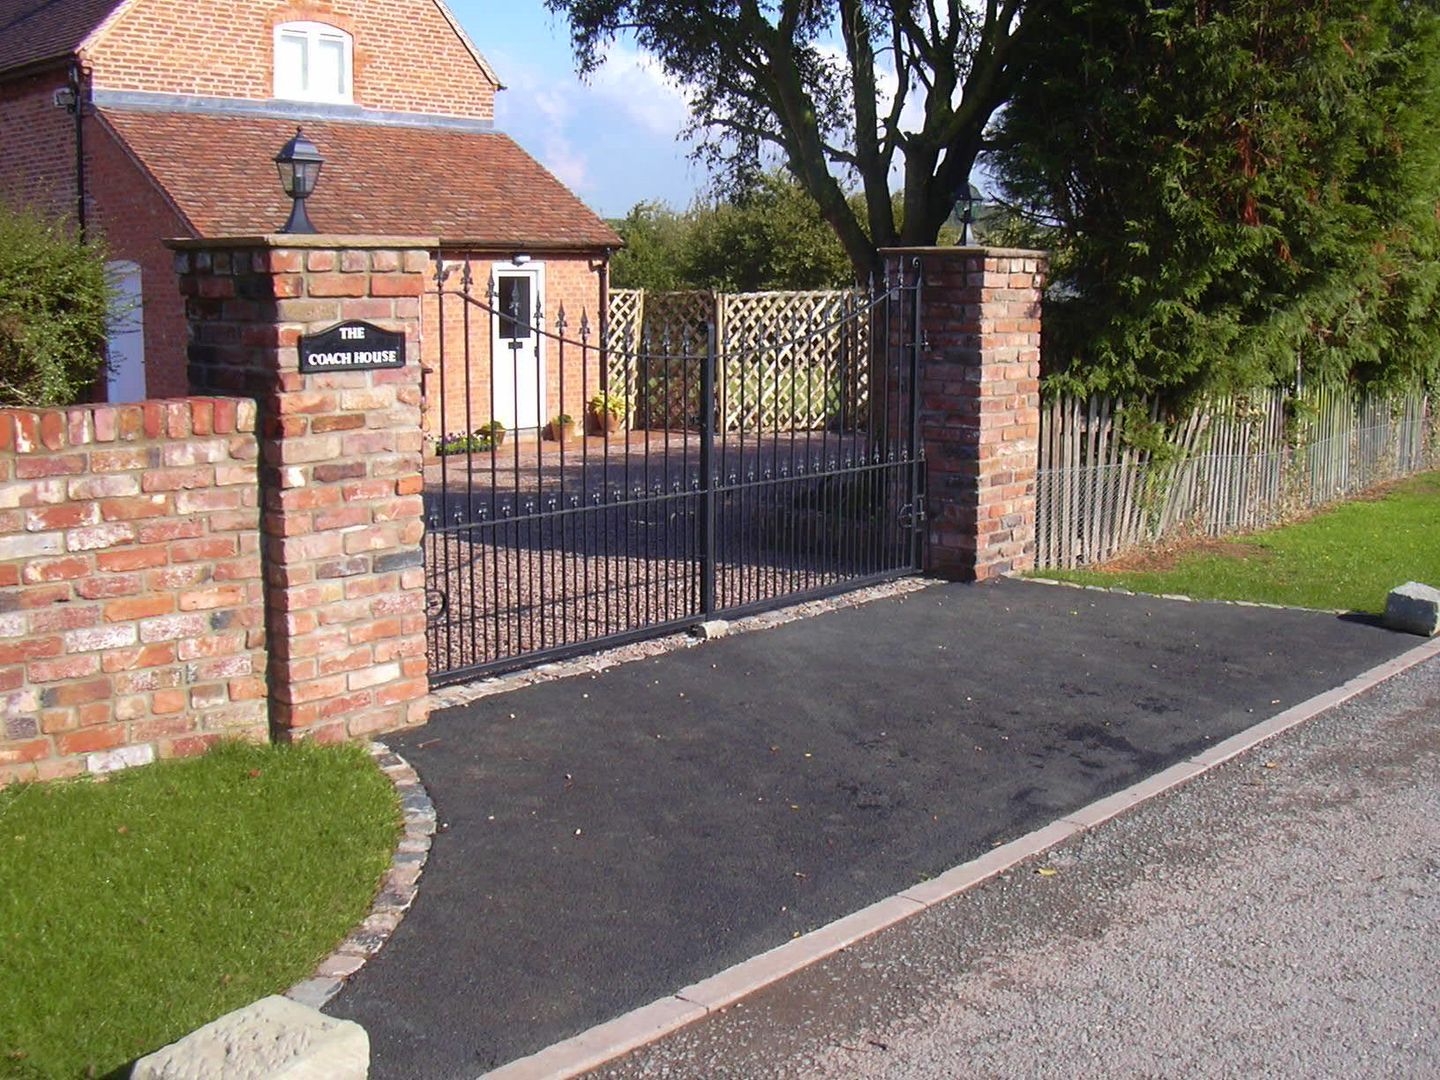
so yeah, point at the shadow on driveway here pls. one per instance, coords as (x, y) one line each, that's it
(610, 839)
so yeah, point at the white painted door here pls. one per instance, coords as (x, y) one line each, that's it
(517, 348)
(125, 378)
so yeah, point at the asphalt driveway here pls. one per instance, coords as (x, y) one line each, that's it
(609, 839)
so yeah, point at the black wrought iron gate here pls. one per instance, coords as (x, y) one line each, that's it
(690, 482)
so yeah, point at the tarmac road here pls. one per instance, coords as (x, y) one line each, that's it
(1274, 917)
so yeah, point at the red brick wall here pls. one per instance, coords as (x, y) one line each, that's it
(37, 162)
(571, 282)
(130, 584)
(407, 58)
(979, 405)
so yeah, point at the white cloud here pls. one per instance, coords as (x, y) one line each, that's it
(538, 108)
(568, 162)
(635, 83)
(612, 140)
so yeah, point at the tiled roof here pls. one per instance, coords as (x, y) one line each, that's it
(465, 187)
(32, 30)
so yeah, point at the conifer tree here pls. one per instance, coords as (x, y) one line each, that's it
(1236, 191)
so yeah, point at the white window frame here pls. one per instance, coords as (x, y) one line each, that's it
(313, 32)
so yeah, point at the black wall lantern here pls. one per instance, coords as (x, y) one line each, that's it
(965, 202)
(299, 164)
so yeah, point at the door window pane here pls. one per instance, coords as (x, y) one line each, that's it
(515, 309)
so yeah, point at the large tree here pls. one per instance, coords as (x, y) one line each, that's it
(1236, 191)
(826, 86)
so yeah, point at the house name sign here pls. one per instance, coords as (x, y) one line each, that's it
(352, 346)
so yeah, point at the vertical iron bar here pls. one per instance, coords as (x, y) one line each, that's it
(466, 282)
(707, 484)
(537, 527)
(685, 504)
(917, 524)
(492, 298)
(584, 516)
(642, 392)
(438, 574)
(559, 549)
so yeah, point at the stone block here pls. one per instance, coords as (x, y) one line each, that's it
(712, 628)
(275, 1038)
(1414, 608)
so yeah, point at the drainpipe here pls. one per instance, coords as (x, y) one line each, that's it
(604, 319)
(77, 109)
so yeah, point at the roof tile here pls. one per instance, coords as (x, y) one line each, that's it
(467, 187)
(32, 30)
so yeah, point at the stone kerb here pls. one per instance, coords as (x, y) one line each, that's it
(979, 403)
(341, 480)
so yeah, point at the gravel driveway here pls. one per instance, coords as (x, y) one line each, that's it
(1275, 917)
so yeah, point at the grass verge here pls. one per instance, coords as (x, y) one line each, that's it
(135, 910)
(1348, 557)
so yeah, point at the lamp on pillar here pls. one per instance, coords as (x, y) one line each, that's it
(965, 201)
(299, 163)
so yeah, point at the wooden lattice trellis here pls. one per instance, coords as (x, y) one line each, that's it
(787, 360)
(794, 360)
(622, 338)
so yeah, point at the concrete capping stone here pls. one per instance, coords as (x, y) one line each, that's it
(615, 1038)
(397, 888)
(271, 1039)
(972, 250)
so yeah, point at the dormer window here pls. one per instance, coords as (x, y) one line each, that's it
(313, 62)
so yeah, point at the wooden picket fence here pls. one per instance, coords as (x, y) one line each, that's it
(1233, 464)
(787, 360)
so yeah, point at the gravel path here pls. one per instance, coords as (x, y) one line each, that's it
(1276, 917)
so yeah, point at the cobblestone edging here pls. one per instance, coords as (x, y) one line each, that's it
(1175, 596)
(465, 693)
(397, 888)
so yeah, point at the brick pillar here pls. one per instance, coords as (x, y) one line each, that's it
(340, 476)
(979, 403)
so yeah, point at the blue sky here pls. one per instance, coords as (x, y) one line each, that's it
(615, 139)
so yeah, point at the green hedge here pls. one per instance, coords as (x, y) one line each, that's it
(54, 304)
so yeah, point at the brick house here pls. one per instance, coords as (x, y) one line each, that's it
(147, 119)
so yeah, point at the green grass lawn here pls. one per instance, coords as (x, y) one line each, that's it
(135, 910)
(1346, 558)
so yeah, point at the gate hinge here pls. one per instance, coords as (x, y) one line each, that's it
(913, 513)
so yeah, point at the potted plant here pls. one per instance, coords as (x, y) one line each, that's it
(608, 411)
(495, 431)
(562, 427)
(485, 437)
